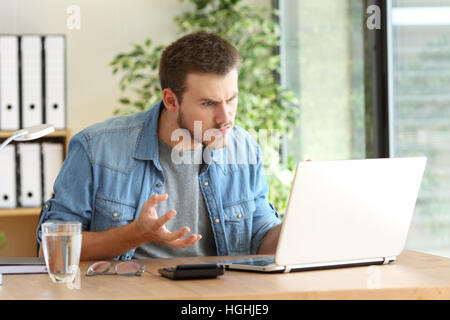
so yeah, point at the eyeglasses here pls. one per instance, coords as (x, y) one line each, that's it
(126, 268)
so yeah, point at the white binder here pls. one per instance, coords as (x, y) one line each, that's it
(52, 157)
(31, 68)
(55, 87)
(9, 83)
(8, 196)
(30, 174)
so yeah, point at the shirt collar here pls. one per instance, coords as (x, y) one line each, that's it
(147, 142)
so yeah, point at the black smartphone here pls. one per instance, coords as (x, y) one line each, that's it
(193, 271)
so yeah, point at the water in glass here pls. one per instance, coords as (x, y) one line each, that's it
(62, 248)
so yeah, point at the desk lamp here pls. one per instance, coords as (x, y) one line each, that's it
(30, 133)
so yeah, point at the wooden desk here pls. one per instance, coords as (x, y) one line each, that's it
(413, 276)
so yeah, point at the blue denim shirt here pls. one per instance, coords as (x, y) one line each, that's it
(112, 168)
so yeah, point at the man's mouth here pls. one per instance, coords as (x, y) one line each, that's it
(226, 129)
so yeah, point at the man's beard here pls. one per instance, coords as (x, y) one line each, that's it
(214, 140)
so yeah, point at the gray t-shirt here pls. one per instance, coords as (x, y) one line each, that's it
(184, 195)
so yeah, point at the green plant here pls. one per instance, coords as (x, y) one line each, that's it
(263, 103)
(2, 240)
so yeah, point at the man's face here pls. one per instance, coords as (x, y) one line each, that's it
(212, 100)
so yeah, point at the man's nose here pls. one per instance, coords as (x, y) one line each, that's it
(223, 113)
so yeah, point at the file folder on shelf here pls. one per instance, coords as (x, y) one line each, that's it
(52, 157)
(31, 69)
(8, 194)
(55, 87)
(9, 83)
(30, 174)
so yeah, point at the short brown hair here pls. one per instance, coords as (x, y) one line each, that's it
(202, 52)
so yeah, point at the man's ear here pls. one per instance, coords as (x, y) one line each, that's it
(170, 100)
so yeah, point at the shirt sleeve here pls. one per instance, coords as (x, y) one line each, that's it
(73, 189)
(265, 216)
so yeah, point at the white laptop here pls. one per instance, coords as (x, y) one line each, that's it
(344, 213)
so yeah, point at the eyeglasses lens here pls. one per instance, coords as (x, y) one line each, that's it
(99, 267)
(127, 267)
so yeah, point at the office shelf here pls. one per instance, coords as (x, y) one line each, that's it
(19, 224)
(55, 134)
(17, 212)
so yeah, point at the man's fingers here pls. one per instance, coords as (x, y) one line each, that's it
(165, 218)
(186, 242)
(177, 234)
(154, 200)
(173, 239)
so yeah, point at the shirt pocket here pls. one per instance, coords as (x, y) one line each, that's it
(109, 214)
(238, 218)
(229, 168)
(238, 211)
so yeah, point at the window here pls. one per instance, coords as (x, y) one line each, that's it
(323, 64)
(329, 61)
(419, 79)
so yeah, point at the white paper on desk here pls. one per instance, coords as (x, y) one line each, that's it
(8, 194)
(9, 83)
(30, 174)
(52, 157)
(55, 86)
(31, 68)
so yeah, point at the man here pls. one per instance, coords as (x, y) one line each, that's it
(127, 178)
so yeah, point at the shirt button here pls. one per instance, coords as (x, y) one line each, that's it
(205, 183)
(239, 216)
(216, 220)
(115, 214)
(157, 185)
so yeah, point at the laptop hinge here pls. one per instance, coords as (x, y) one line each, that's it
(388, 259)
(287, 269)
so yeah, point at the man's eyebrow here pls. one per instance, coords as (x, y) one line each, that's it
(207, 99)
(213, 100)
(234, 95)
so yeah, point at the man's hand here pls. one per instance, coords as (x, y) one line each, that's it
(153, 229)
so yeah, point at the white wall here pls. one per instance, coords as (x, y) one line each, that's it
(107, 28)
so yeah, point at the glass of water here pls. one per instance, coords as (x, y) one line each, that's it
(61, 242)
